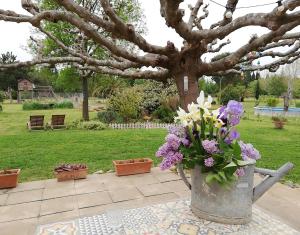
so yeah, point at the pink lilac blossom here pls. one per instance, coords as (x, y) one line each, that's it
(163, 150)
(248, 151)
(234, 111)
(210, 146)
(240, 172)
(209, 162)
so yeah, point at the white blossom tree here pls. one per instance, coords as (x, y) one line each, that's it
(184, 64)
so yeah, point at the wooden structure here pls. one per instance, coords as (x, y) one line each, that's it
(57, 122)
(24, 85)
(36, 122)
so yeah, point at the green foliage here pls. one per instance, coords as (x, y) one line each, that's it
(209, 87)
(68, 80)
(276, 85)
(1, 108)
(272, 101)
(10, 77)
(109, 116)
(231, 93)
(257, 90)
(45, 106)
(92, 125)
(297, 104)
(2, 96)
(165, 114)
(126, 103)
(63, 105)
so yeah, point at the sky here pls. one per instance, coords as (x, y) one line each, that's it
(14, 36)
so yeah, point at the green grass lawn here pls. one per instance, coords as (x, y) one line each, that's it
(37, 153)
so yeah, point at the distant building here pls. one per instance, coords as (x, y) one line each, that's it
(25, 85)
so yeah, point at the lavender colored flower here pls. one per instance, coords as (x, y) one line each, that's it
(234, 111)
(177, 130)
(209, 162)
(163, 150)
(186, 142)
(240, 172)
(170, 160)
(173, 141)
(248, 151)
(210, 146)
(233, 135)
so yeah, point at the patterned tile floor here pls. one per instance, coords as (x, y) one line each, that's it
(170, 218)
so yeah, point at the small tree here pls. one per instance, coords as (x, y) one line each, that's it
(257, 90)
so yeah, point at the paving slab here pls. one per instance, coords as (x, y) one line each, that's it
(125, 194)
(53, 183)
(3, 199)
(20, 227)
(25, 196)
(28, 186)
(141, 179)
(19, 211)
(93, 199)
(51, 218)
(89, 186)
(59, 191)
(57, 205)
(153, 189)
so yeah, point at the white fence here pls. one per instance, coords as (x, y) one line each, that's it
(145, 125)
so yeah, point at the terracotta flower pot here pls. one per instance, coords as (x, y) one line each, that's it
(279, 124)
(71, 175)
(9, 178)
(132, 166)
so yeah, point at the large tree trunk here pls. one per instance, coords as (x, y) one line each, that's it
(192, 93)
(85, 102)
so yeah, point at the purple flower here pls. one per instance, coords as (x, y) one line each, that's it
(210, 146)
(234, 111)
(177, 130)
(186, 142)
(233, 135)
(163, 150)
(240, 172)
(209, 162)
(173, 141)
(171, 159)
(248, 151)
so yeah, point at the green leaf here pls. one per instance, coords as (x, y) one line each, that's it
(231, 164)
(210, 177)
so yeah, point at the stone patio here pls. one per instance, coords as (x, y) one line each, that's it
(43, 202)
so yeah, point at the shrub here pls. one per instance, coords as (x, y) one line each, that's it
(2, 96)
(64, 105)
(35, 106)
(272, 101)
(41, 106)
(165, 114)
(92, 125)
(230, 93)
(109, 117)
(1, 109)
(126, 103)
(297, 104)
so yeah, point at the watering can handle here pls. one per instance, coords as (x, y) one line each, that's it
(272, 177)
(183, 176)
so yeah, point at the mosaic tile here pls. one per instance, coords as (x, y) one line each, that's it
(166, 219)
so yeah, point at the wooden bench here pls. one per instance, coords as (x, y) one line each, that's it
(57, 122)
(36, 122)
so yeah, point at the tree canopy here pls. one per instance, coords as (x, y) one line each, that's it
(110, 30)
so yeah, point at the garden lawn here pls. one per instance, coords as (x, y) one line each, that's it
(38, 152)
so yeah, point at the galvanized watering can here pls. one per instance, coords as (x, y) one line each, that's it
(230, 206)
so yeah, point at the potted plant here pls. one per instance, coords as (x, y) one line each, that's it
(70, 171)
(221, 165)
(132, 166)
(9, 178)
(279, 122)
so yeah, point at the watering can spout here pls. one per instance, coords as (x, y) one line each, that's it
(272, 177)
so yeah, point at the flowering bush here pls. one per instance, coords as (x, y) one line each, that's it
(209, 139)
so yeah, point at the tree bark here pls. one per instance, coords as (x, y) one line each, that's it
(85, 102)
(191, 95)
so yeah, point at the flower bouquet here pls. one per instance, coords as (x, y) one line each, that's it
(210, 140)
